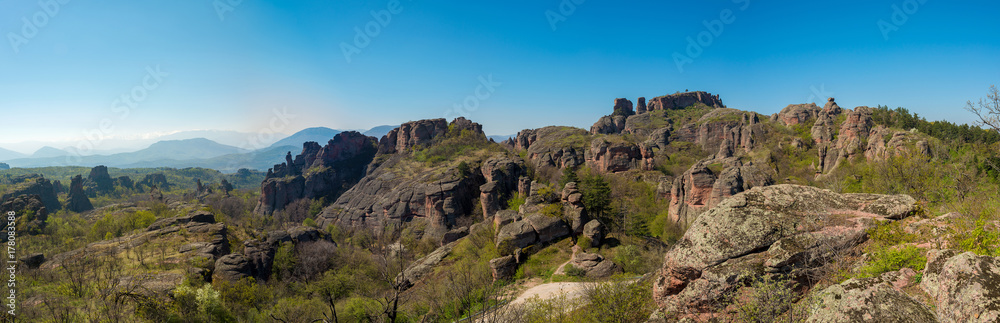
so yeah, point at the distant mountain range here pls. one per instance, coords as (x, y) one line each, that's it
(188, 152)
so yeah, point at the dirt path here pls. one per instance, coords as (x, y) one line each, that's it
(571, 290)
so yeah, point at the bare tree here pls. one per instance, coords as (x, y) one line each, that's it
(988, 110)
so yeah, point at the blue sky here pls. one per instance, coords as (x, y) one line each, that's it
(549, 62)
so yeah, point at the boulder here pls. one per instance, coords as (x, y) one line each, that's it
(594, 265)
(611, 157)
(867, 300)
(28, 209)
(199, 216)
(423, 266)
(232, 267)
(964, 287)
(613, 124)
(503, 268)
(594, 231)
(514, 236)
(504, 217)
(548, 228)
(454, 234)
(785, 229)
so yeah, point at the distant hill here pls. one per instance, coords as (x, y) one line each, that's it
(379, 131)
(158, 154)
(49, 151)
(225, 137)
(10, 154)
(318, 134)
(256, 160)
(499, 138)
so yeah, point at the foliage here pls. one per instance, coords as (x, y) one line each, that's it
(515, 201)
(596, 195)
(203, 303)
(767, 299)
(979, 240)
(284, 260)
(568, 175)
(117, 224)
(631, 259)
(619, 301)
(902, 118)
(885, 259)
(553, 210)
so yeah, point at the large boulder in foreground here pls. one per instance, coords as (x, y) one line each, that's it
(781, 229)
(965, 287)
(867, 300)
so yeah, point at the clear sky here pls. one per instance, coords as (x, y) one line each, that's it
(230, 64)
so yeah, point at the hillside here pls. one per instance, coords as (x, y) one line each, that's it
(678, 207)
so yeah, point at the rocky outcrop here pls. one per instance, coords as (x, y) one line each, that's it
(502, 174)
(615, 156)
(77, 201)
(317, 172)
(503, 268)
(514, 236)
(964, 287)
(257, 258)
(710, 181)
(422, 132)
(594, 231)
(795, 114)
(34, 185)
(867, 300)
(613, 124)
(640, 105)
(552, 148)
(28, 209)
(623, 107)
(99, 181)
(573, 210)
(780, 229)
(158, 179)
(683, 100)
(548, 228)
(594, 265)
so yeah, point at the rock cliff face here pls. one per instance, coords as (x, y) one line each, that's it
(795, 114)
(682, 100)
(551, 148)
(78, 200)
(325, 171)
(786, 229)
(34, 185)
(710, 181)
(401, 189)
(257, 258)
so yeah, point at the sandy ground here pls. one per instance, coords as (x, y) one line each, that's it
(572, 290)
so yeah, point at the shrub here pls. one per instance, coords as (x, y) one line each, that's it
(619, 301)
(515, 202)
(574, 271)
(886, 259)
(552, 210)
(630, 258)
(979, 240)
(584, 243)
(767, 299)
(284, 260)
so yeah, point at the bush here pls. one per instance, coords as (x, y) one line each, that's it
(574, 271)
(584, 243)
(630, 258)
(979, 240)
(552, 210)
(767, 299)
(515, 202)
(619, 301)
(883, 260)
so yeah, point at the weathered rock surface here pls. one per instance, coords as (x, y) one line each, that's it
(157, 179)
(784, 229)
(594, 231)
(867, 300)
(612, 157)
(517, 235)
(78, 200)
(710, 181)
(795, 114)
(683, 100)
(325, 171)
(257, 258)
(503, 268)
(965, 287)
(552, 147)
(99, 181)
(640, 105)
(501, 174)
(548, 228)
(594, 265)
(423, 266)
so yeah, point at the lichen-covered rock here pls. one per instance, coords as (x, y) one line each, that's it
(594, 231)
(548, 228)
(867, 300)
(776, 229)
(965, 287)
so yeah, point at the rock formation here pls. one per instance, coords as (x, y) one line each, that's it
(623, 107)
(795, 114)
(77, 201)
(257, 258)
(594, 265)
(710, 181)
(99, 181)
(317, 172)
(640, 107)
(775, 229)
(34, 185)
(29, 209)
(157, 179)
(683, 100)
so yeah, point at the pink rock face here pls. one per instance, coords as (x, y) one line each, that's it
(854, 131)
(683, 100)
(795, 114)
(614, 157)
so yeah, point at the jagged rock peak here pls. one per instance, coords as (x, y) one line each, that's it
(78, 200)
(623, 107)
(683, 100)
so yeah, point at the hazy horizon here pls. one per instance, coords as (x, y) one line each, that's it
(92, 72)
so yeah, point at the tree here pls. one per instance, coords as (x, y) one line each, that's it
(596, 195)
(988, 110)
